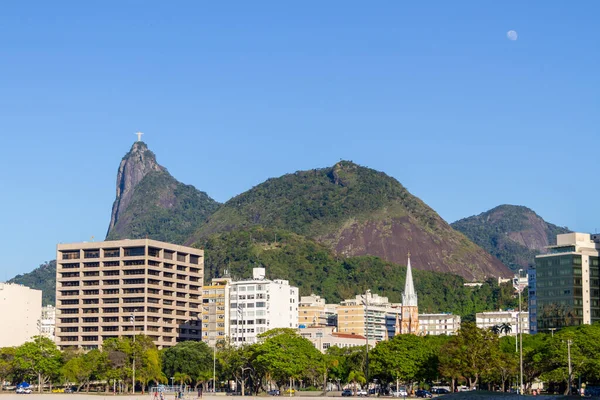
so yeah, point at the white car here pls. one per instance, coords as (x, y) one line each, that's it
(22, 390)
(361, 392)
(400, 393)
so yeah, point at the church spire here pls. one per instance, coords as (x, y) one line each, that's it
(409, 297)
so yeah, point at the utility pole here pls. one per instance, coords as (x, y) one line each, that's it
(520, 343)
(569, 342)
(215, 368)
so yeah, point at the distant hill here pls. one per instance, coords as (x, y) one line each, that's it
(151, 203)
(513, 234)
(356, 211)
(42, 278)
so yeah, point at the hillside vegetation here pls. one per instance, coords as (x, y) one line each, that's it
(42, 278)
(513, 234)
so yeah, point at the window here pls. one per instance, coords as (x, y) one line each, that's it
(135, 251)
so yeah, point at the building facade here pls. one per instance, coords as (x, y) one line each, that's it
(314, 311)
(21, 310)
(324, 337)
(47, 322)
(364, 315)
(532, 300)
(258, 305)
(568, 282)
(215, 311)
(125, 287)
(517, 321)
(439, 324)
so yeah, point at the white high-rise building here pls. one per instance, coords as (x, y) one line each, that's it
(21, 309)
(258, 305)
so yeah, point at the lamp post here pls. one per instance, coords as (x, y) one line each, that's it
(366, 303)
(172, 379)
(569, 342)
(214, 368)
(133, 364)
(519, 289)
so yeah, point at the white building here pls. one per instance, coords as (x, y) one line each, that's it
(21, 308)
(487, 320)
(47, 323)
(439, 324)
(260, 304)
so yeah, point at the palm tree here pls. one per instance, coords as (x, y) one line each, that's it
(182, 378)
(202, 378)
(495, 329)
(356, 376)
(506, 328)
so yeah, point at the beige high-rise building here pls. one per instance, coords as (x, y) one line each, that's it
(21, 310)
(314, 311)
(103, 287)
(215, 311)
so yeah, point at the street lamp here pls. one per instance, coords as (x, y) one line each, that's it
(519, 289)
(366, 303)
(172, 378)
(243, 369)
(133, 364)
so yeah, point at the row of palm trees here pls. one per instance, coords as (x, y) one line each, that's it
(504, 328)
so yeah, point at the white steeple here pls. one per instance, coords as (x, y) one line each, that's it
(409, 297)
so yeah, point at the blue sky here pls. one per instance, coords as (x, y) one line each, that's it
(232, 93)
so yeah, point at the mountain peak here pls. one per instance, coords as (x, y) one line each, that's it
(147, 196)
(134, 166)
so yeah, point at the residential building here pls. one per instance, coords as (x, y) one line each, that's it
(314, 311)
(439, 324)
(125, 287)
(567, 282)
(531, 276)
(258, 305)
(324, 337)
(515, 320)
(21, 309)
(47, 323)
(215, 311)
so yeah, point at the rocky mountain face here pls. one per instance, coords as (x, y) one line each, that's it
(356, 211)
(513, 234)
(151, 203)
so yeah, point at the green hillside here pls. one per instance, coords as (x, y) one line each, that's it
(315, 269)
(162, 208)
(355, 211)
(42, 278)
(513, 234)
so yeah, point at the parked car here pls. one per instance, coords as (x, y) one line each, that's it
(22, 390)
(347, 393)
(361, 392)
(288, 390)
(423, 393)
(273, 392)
(400, 393)
(70, 390)
(441, 391)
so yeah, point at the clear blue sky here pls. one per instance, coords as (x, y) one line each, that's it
(232, 93)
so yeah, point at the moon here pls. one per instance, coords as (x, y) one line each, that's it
(512, 35)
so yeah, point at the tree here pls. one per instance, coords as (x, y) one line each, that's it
(79, 369)
(356, 376)
(192, 359)
(40, 358)
(285, 355)
(7, 357)
(470, 353)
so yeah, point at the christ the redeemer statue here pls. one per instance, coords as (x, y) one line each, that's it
(139, 135)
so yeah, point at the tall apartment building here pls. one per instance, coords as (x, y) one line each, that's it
(439, 324)
(215, 311)
(518, 322)
(259, 304)
(568, 282)
(314, 311)
(126, 287)
(21, 310)
(532, 299)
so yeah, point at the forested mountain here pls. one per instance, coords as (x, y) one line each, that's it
(151, 203)
(356, 211)
(513, 234)
(42, 278)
